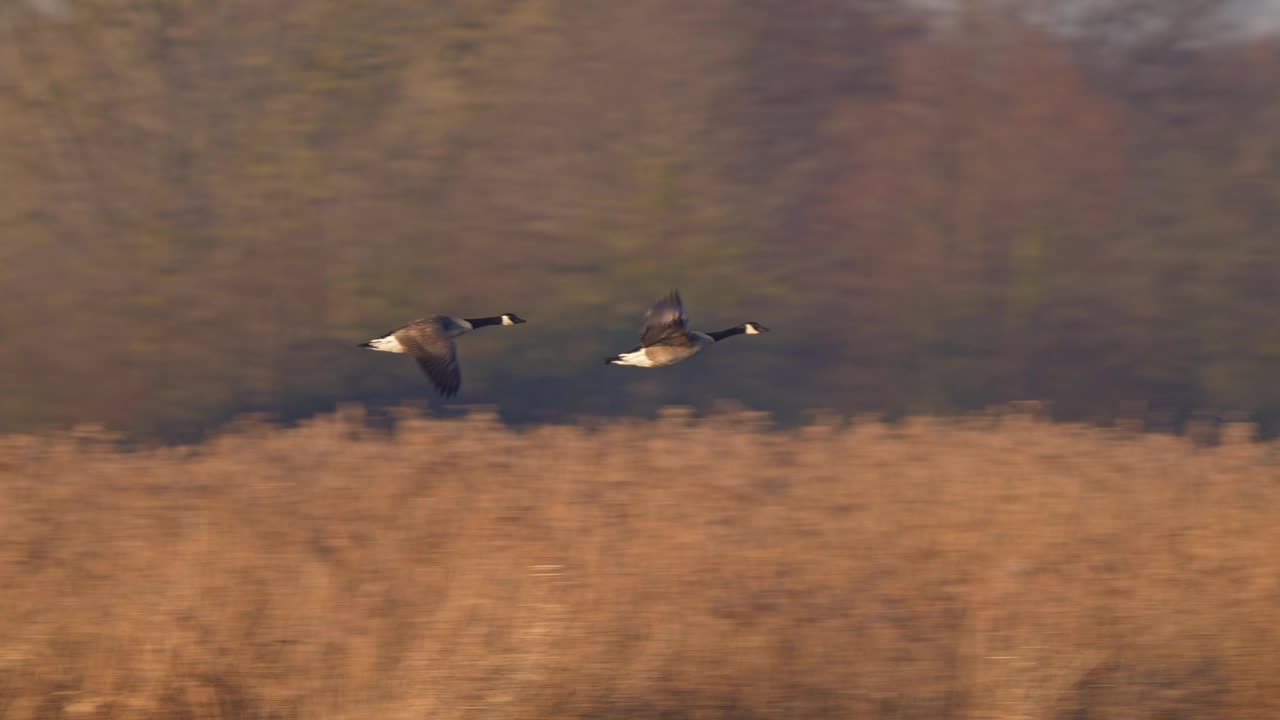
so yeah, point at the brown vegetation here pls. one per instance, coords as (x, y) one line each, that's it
(205, 205)
(994, 567)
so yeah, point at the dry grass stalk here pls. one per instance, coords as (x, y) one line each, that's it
(996, 567)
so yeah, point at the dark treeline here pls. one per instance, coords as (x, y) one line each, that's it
(204, 206)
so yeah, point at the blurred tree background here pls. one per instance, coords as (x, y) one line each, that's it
(204, 206)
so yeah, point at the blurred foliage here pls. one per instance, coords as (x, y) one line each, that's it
(205, 206)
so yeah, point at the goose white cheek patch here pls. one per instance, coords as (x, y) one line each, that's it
(751, 330)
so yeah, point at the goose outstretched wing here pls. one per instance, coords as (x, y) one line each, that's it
(664, 321)
(435, 353)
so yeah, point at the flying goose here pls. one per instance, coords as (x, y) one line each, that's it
(430, 341)
(665, 338)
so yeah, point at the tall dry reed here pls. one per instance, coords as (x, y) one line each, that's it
(679, 568)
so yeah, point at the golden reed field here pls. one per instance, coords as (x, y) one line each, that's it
(991, 567)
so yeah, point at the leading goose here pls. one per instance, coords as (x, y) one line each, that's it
(430, 341)
(665, 338)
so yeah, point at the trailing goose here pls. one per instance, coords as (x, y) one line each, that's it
(430, 341)
(665, 338)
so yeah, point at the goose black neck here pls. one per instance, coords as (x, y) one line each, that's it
(722, 334)
(484, 321)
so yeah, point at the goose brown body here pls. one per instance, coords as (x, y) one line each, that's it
(665, 337)
(429, 341)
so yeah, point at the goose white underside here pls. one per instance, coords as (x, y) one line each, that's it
(636, 358)
(387, 343)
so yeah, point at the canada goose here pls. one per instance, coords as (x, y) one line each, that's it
(430, 341)
(665, 338)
